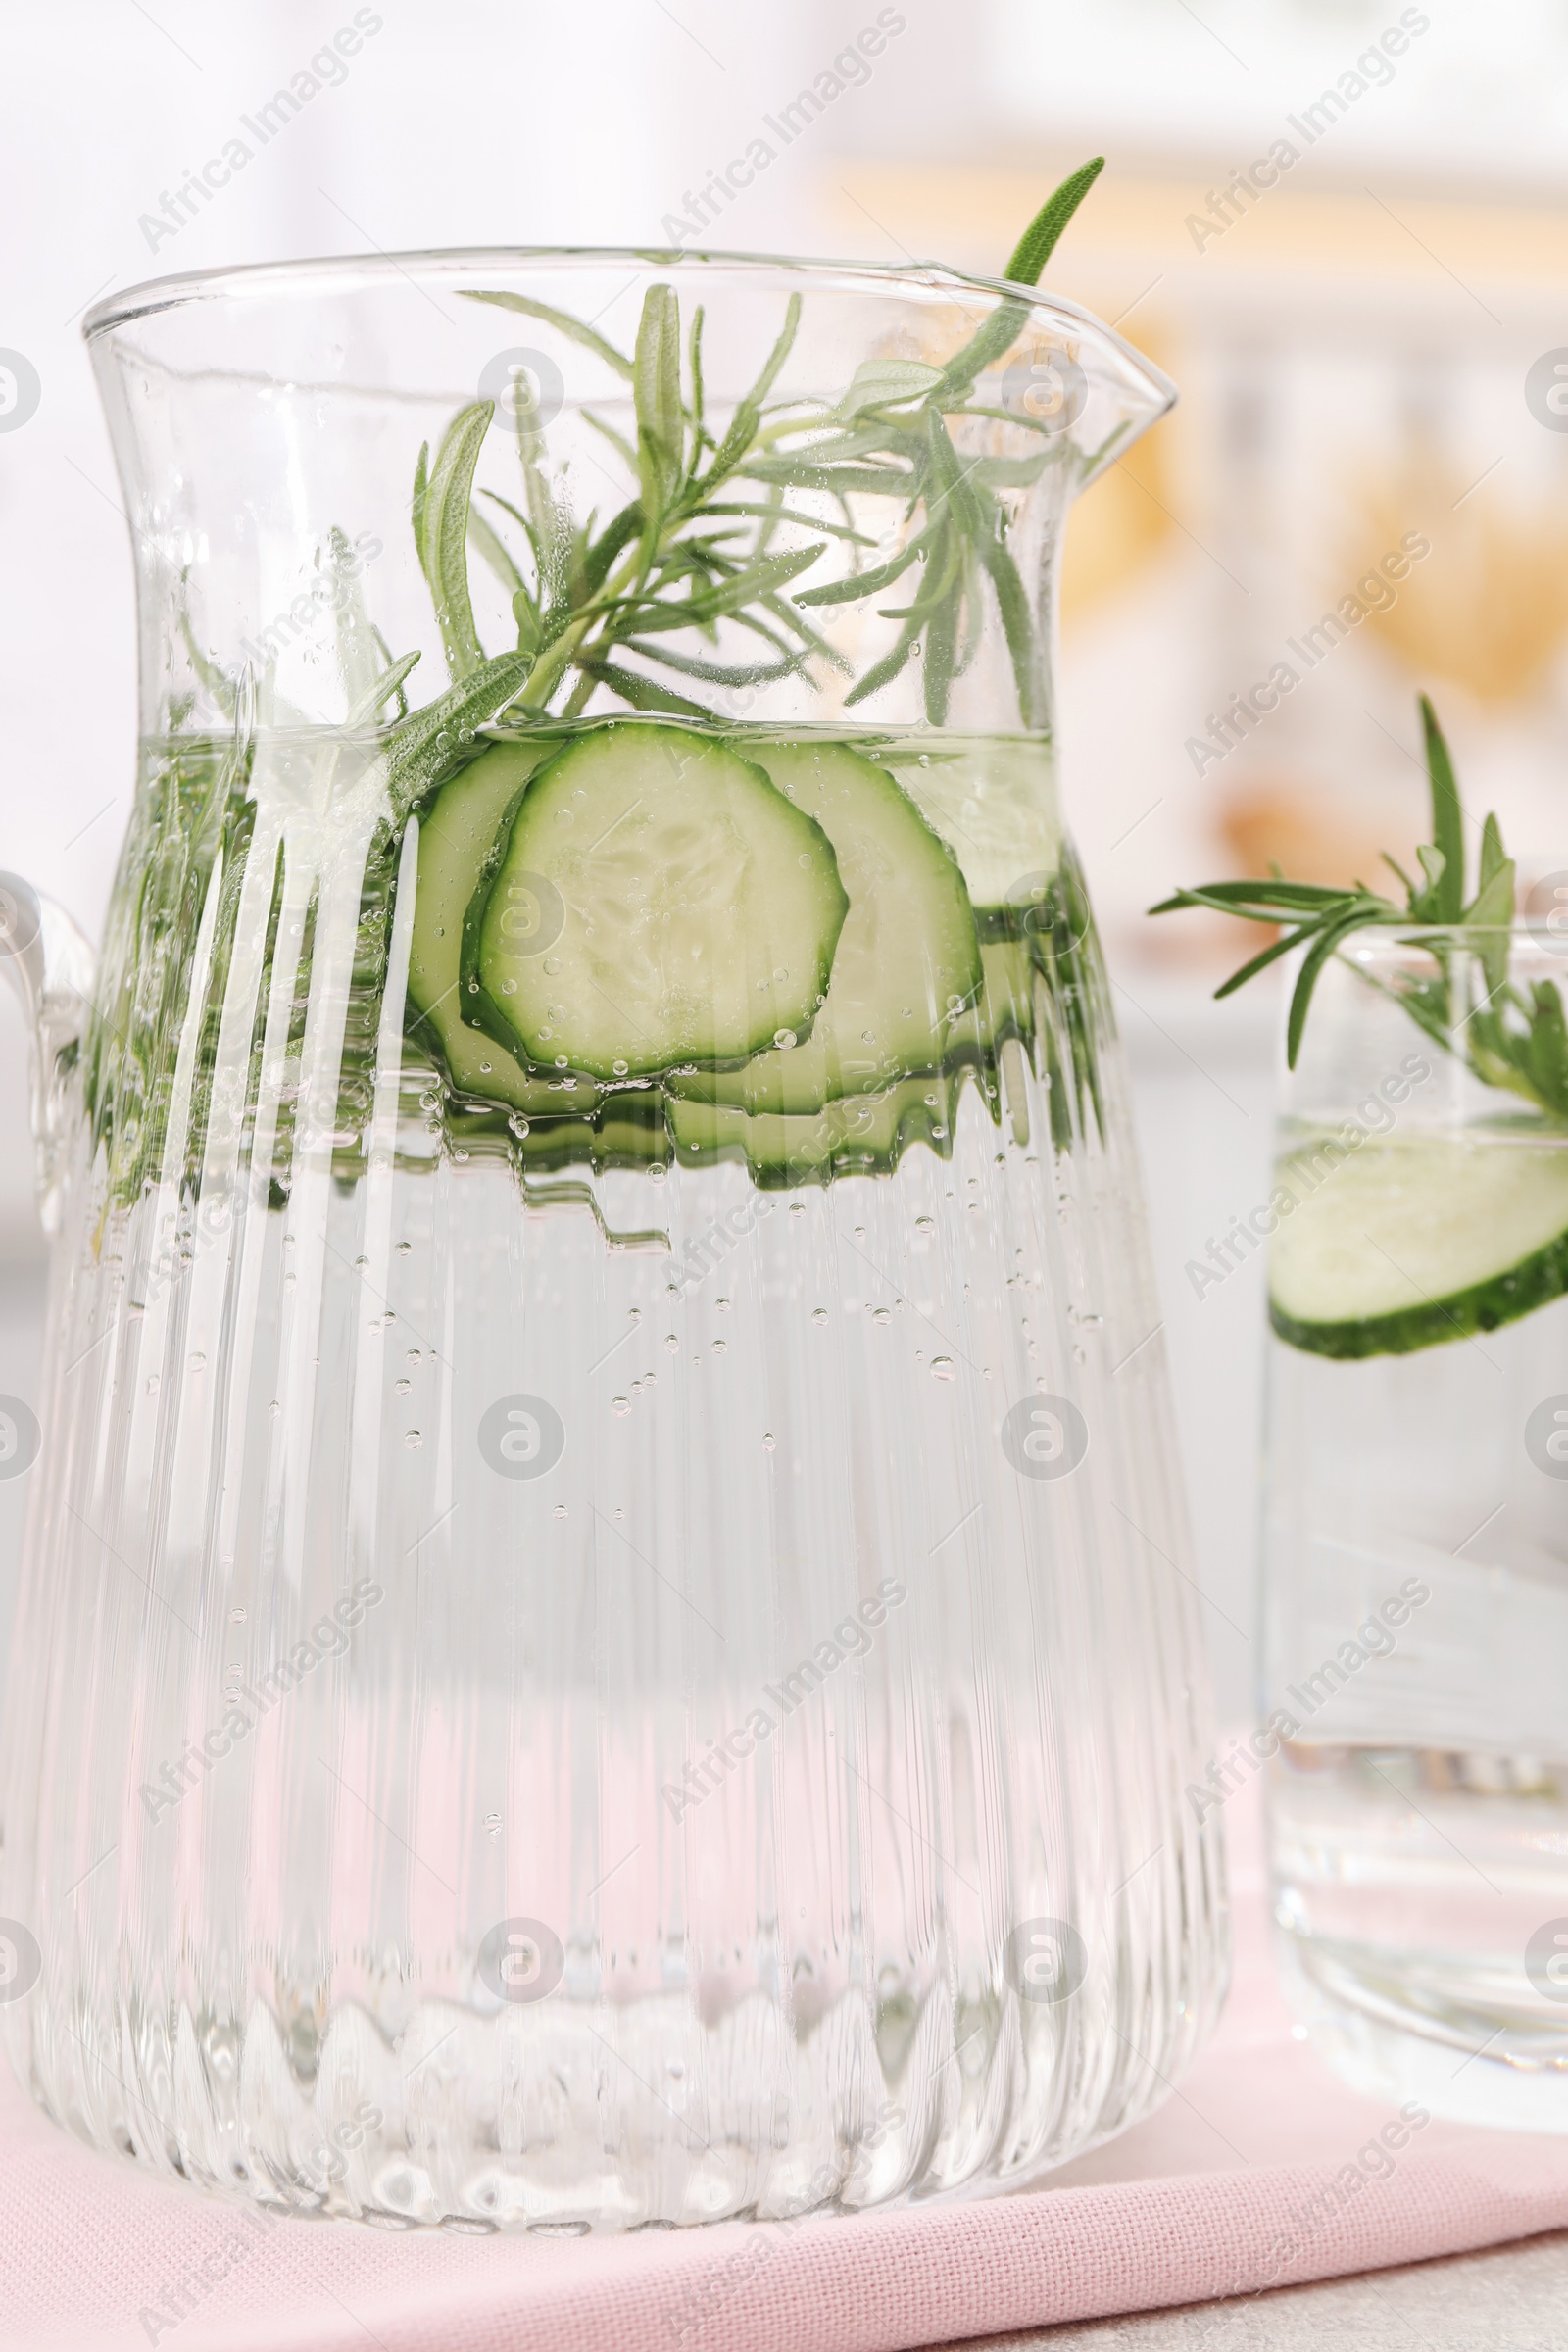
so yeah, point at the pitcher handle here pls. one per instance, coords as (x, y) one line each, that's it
(50, 964)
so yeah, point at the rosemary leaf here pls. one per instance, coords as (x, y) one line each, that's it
(441, 530)
(1447, 822)
(560, 321)
(1038, 243)
(655, 388)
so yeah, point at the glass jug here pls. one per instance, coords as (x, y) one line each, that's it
(604, 1639)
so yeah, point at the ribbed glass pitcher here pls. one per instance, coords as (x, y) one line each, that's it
(603, 1639)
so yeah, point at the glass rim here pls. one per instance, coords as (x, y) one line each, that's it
(342, 273)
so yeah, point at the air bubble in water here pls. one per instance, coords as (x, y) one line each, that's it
(819, 1315)
(620, 1405)
(943, 1367)
(769, 1442)
(413, 1440)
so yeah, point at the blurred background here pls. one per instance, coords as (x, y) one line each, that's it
(1341, 224)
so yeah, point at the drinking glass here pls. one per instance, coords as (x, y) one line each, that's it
(1416, 1543)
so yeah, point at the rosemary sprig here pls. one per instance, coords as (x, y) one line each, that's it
(694, 548)
(1512, 1038)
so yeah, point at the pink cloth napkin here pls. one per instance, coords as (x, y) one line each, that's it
(1248, 2178)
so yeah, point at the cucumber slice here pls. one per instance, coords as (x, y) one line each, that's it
(1409, 1243)
(994, 802)
(1006, 1006)
(457, 832)
(907, 963)
(701, 909)
(859, 1135)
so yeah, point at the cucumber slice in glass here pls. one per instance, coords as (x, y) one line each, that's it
(1411, 1243)
(457, 832)
(859, 1135)
(993, 800)
(700, 909)
(908, 965)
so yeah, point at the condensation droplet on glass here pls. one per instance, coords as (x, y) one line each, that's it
(943, 1367)
(620, 1405)
(413, 1440)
